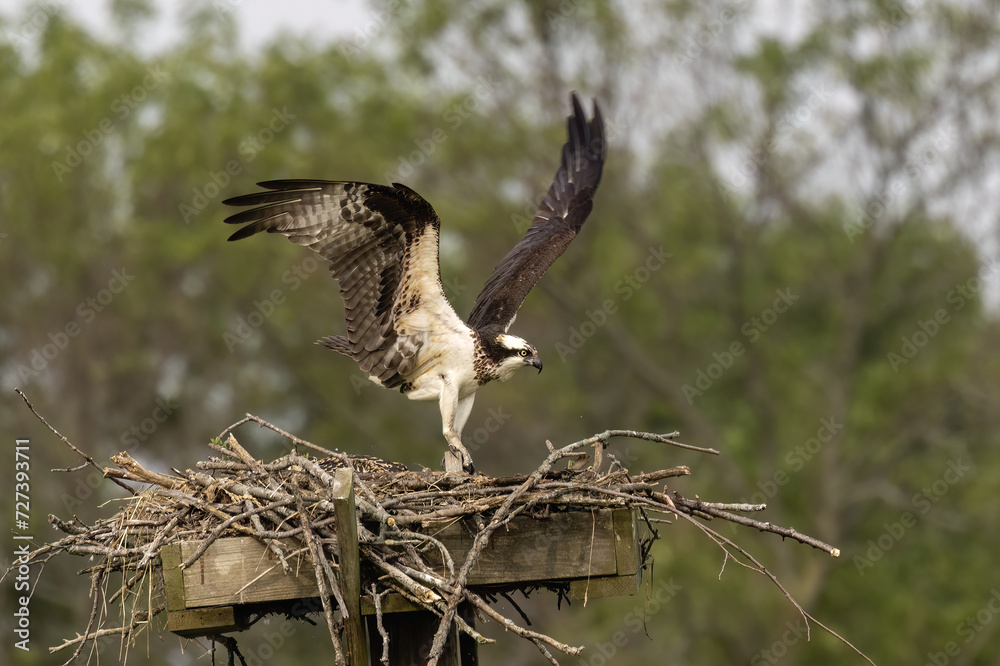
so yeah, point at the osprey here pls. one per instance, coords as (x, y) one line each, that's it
(382, 245)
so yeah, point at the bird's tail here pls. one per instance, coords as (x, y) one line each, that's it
(337, 343)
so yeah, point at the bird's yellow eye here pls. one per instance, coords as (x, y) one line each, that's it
(523, 353)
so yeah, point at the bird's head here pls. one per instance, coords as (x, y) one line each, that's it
(516, 354)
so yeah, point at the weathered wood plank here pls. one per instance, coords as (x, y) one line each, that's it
(349, 567)
(605, 586)
(202, 621)
(626, 582)
(625, 541)
(241, 570)
(565, 545)
(173, 577)
(391, 603)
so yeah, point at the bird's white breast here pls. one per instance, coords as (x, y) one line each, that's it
(446, 357)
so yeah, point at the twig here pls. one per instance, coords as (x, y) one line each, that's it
(231, 645)
(507, 624)
(649, 437)
(324, 580)
(139, 618)
(62, 438)
(501, 517)
(723, 506)
(273, 500)
(377, 600)
(750, 522)
(649, 477)
(726, 543)
(272, 544)
(221, 527)
(425, 597)
(96, 579)
(234, 449)
(367, 505)
(153, 549)
(264, 424)
(139, 473)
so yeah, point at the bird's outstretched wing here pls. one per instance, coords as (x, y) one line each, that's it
(382, 245)
(559, 218)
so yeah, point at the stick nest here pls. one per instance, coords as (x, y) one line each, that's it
(288, 500)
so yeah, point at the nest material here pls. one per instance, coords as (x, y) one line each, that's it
(289, 498)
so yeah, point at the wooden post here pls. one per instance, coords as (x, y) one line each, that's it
(453, 463)
(348, 560)
(468, 648)
(410, 638)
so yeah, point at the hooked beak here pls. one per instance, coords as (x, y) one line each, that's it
(537, 363)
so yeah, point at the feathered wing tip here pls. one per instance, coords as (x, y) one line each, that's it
(279, 201)
(338, 343)
(585, 150)
(559, 217)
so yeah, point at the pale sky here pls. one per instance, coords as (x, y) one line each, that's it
(259, 20)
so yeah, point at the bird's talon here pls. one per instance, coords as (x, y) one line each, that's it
(460, 456)
(467, 464)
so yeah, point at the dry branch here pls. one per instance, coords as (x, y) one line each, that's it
(290, 498)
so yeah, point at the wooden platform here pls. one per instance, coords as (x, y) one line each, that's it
(595, 552)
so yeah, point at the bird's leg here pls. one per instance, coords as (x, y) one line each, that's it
(462, 411)
(457, 458)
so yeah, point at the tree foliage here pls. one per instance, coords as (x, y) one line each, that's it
(791, 259)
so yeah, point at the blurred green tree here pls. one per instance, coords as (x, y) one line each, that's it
(790, 259)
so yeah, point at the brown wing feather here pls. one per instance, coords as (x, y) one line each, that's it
(367, 232)
(559, 218)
